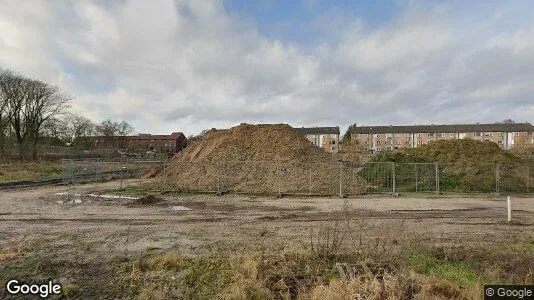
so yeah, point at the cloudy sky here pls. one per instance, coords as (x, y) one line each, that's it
(190, 65)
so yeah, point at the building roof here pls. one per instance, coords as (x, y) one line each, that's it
(318, 130)
(172, 136)
(139, 137)
(454, 128)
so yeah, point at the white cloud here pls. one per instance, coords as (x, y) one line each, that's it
(190, 65)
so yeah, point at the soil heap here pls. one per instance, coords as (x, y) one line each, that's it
(255, 159)
(464, 164)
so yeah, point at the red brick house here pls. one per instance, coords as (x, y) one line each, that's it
(141, 143)
(172, 143)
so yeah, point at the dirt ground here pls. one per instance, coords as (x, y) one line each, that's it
(52, 222)
(113, 224)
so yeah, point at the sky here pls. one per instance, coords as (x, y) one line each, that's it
(180, 65)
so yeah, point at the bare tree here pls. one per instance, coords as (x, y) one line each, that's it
(30, 103)
(108, 128)
(78, 127)
(124, 128)
(55, 128)
(5, 115)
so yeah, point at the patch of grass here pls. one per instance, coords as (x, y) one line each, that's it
(191, 277)
(18, 171)
(195, 232)
(71, 290)
(455, 271)
(91, 246)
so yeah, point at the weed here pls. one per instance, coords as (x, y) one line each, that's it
(426, 263)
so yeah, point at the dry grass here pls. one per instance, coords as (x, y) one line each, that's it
(391, 262)
(388, 266)
(17, 171)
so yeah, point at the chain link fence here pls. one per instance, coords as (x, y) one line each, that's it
(340, 178)
(76, 171)
(300, 178)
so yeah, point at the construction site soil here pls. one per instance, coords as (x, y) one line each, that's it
(466, 165)
(257, 159)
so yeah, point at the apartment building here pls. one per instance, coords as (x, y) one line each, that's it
(377, 138)
(322, 137)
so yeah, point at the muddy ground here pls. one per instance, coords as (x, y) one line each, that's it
(98, 228)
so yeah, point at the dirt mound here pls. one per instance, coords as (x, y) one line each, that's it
(255, 159)
(272, 142)
(451, 151)
(152, 172)
(463, 165)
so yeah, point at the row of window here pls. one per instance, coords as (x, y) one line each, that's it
(443, 135)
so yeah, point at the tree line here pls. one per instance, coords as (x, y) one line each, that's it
(32, 111)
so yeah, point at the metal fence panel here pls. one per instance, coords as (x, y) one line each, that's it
(303, 178)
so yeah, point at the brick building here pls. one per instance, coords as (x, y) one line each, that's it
(172, 143)
(377, 138)
(322, 137)
(141, 143)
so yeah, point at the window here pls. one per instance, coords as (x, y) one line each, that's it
(430, 135)
(333, 142)
(333, 148)
(478, 134)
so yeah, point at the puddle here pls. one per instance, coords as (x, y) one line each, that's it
(179, 208)
(99, 196)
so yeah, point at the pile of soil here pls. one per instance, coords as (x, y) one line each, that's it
(259, 159)
(464, 165)
(452, 152)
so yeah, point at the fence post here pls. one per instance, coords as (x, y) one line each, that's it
(310, 180)
(509, 208)
(98, 170)
(416, 179)
(437, 177)
(122, 175)
(95, 168)
(219, 191)
(278, 171)
(164, 177)
(497, 177)
(528, 179)
(73, 174)
(340, 179)
(393, 177)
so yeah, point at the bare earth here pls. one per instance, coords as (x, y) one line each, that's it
(111, 225)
